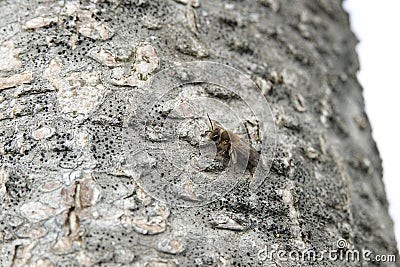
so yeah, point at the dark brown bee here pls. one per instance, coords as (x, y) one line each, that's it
(231, 145)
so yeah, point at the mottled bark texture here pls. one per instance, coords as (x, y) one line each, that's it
(73, 77)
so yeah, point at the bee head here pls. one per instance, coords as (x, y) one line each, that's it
(215, 134)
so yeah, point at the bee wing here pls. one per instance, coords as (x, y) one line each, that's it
(246, 153)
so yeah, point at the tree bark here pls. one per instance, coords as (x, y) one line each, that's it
(88, 158)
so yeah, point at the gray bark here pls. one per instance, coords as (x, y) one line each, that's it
(88, 158)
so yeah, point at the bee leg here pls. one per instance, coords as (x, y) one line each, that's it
(258, 132)
(233, 157)
(219, 156)
(251, 172)
(205, 133)
(247, 130)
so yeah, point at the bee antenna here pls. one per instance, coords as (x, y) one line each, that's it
(212, 127)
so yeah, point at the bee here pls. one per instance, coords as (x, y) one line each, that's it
(230, 145)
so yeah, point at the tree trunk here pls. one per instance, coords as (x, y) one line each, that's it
(106, 158)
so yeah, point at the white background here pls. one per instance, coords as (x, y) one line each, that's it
(377, 26)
